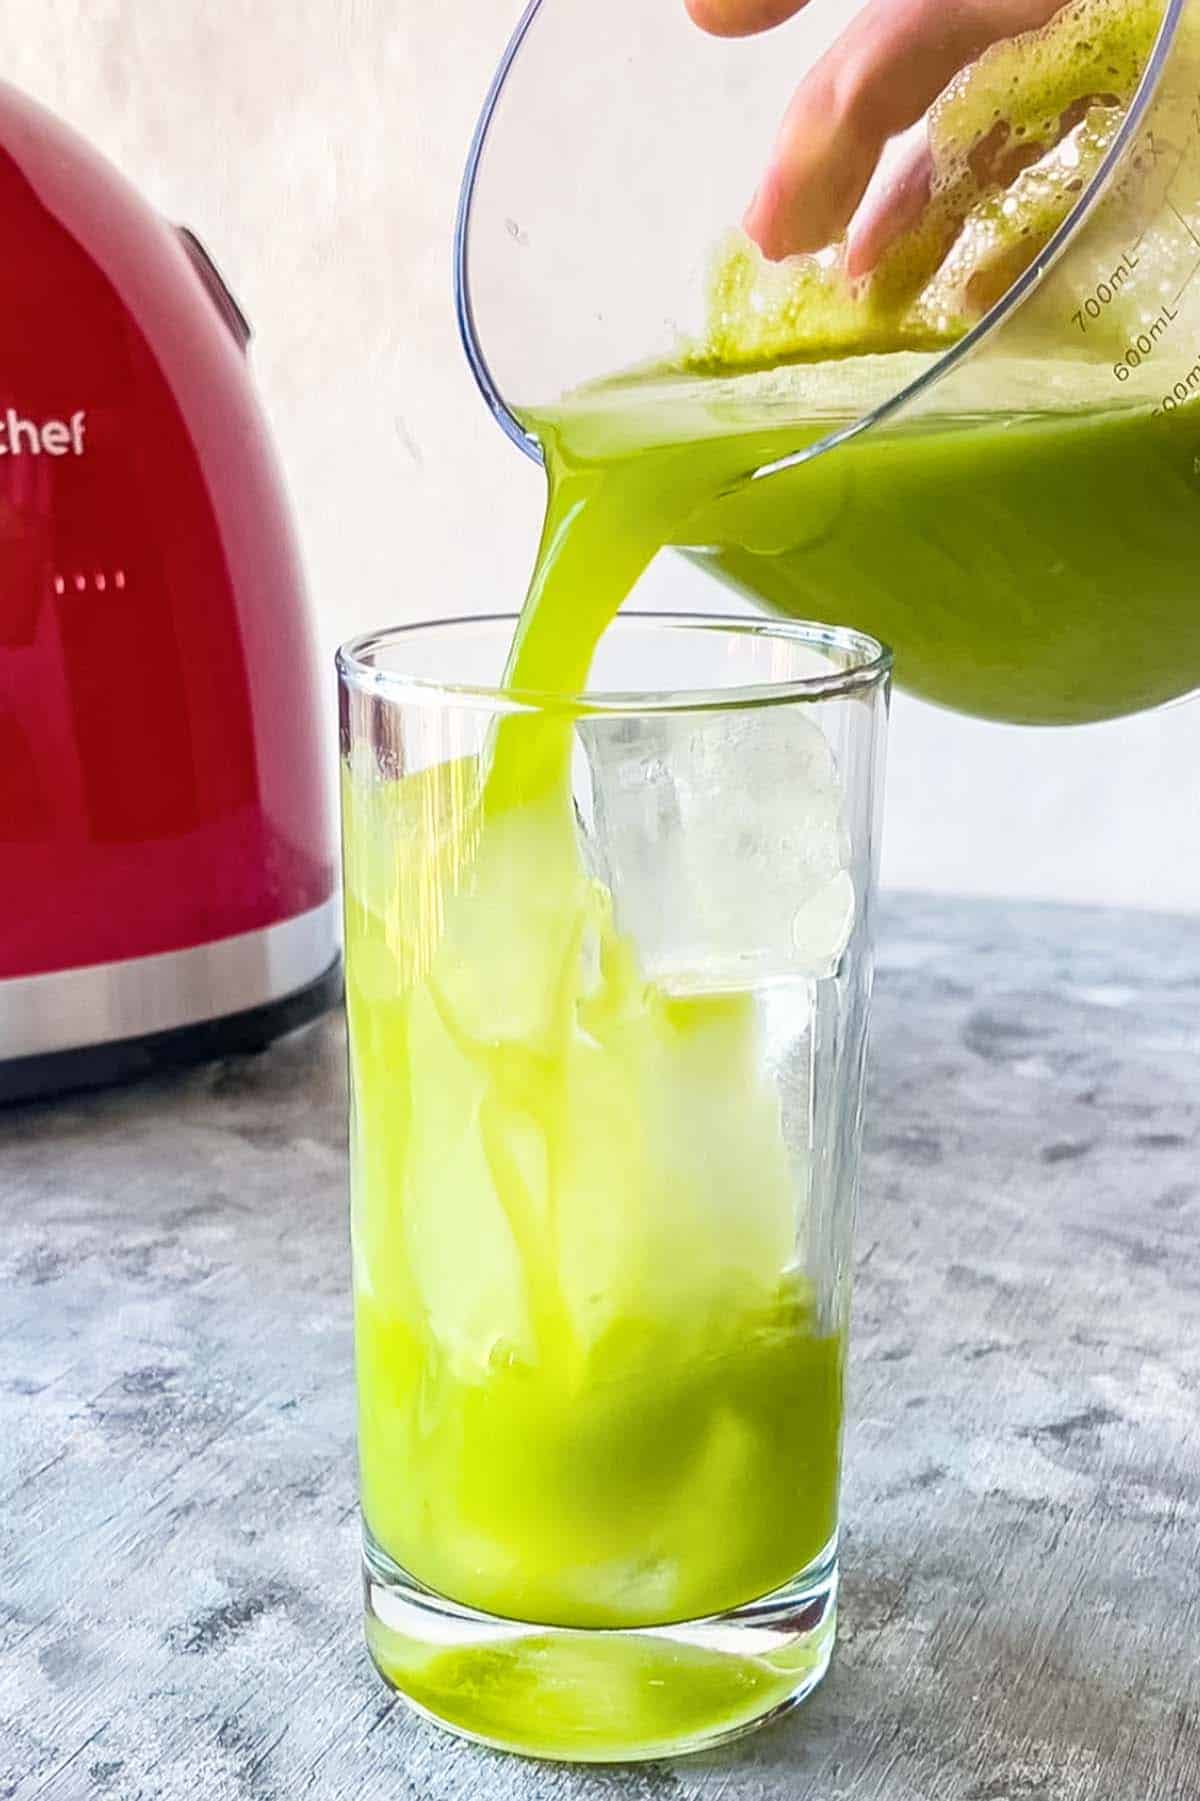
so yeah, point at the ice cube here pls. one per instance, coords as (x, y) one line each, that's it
(720, 835)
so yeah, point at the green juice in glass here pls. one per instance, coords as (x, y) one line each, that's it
(595, 1390)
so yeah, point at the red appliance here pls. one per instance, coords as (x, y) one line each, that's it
(167, 885)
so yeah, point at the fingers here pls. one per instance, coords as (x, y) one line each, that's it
(741, 18)
(894, 202)
(879, 78)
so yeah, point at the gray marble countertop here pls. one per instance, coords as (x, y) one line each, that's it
(179, 1612)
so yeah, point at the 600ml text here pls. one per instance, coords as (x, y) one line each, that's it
(1142, 348)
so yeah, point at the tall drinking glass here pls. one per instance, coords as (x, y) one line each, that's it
(608, 970)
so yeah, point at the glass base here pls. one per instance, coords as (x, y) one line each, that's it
(599, 1696)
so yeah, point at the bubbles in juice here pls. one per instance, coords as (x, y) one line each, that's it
(1015, 141)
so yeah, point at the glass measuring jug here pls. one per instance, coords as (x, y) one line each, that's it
(1013, 502)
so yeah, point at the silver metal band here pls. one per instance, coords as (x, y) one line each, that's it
(106, 1002)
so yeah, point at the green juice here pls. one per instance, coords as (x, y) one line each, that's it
(594, 1389)
(1039, 570)
(598, 1389)
(1035, 566)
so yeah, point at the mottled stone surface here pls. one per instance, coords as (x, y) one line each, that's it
(178, 1590)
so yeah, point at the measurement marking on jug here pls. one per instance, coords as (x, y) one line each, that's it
(1142, 348)
(1191, 234)
(1192, 274)
(1186, 388)
(1105, 292)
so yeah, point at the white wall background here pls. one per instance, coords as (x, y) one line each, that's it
(317, 150)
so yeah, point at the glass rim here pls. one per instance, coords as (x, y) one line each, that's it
(871, 669)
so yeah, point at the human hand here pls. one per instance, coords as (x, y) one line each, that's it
(852, 158)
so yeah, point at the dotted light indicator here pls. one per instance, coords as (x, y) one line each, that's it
(100, 580)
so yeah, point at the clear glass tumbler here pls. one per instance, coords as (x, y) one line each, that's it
(608, 971)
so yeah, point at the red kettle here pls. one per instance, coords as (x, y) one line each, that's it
(167, 874)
